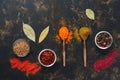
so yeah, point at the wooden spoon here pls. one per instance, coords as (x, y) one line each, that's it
(63, 33)
(64, 54)
(84, 33)
(84, 53)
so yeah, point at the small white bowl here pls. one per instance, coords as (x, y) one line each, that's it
(18, 41)
(49, 65)
(98, 44)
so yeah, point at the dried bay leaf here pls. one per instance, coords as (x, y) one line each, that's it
(29, 32)
(90, 14)
(43, 34)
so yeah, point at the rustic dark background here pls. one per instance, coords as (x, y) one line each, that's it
(41, 13)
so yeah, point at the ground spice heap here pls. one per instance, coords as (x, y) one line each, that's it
(25, 66)
(102, 64)
(84, 32)
(64, 34)
(76, 34)
(21, 47)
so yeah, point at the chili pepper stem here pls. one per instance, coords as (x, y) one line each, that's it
(64, 54)
(84, 54)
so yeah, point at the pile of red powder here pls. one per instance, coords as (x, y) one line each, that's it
(25, 66)
(102, 64)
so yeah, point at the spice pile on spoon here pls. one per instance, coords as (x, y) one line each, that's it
(65, 35)
(84, 33)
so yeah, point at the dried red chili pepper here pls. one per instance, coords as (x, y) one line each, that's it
(102, 64)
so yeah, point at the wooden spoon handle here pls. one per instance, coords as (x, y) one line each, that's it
(64, 54)
(85, 55)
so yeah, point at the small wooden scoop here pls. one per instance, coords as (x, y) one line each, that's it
(64, 54)
(84, 33)
(63, 33)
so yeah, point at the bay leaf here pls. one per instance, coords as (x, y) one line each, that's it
(29, 32)
(43, 34)
(90, 14)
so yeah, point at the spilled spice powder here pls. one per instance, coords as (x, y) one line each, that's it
(57, 39)
(102, 64)
(76, 35)
(62, 21)
(81, 33)
(69, 37)
(25, 66)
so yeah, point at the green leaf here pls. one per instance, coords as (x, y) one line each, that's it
(29, 32)
(90, 14)
(43, 34)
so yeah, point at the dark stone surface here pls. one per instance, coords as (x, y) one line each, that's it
(39, 14)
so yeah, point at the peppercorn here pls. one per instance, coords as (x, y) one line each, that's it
(103, 39)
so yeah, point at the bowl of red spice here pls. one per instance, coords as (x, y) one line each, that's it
(47, 57)
(103, 40)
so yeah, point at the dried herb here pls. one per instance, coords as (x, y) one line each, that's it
(25, 66)
(90, 14)
(43, 34)
(29, 32)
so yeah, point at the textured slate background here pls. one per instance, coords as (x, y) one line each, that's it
(39, 14)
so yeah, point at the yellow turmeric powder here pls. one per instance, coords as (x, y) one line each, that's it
(76, 34)
(85, 32)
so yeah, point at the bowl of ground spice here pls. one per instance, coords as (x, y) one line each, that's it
(47, 57)
(21, 47)
(103, 40)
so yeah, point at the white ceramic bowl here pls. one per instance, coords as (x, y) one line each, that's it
(49, 65)
(106, 47)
